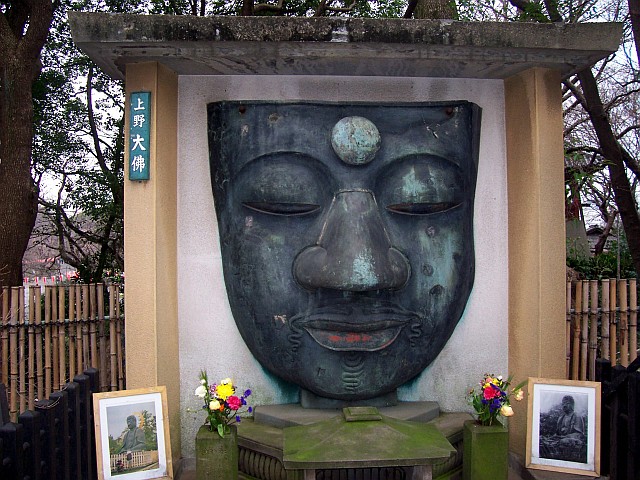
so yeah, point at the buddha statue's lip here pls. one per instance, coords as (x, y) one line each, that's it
(370, 334)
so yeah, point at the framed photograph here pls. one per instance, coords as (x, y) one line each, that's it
(563, 433)
(132, 434)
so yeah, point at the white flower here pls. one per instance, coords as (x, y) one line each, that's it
(203, 382)
(518, 395)
(214, 405)
(201, 391)
(506, 411)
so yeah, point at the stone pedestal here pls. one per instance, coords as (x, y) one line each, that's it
(486, 452)
(281, 442)
(216, 457)
(362, 438)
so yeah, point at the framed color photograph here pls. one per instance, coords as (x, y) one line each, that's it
(132, 434)
(563, 433)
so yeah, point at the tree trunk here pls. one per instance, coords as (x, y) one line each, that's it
(18, 195)
(634, 14)
(614, 154)
(432, 9)
(23, 30)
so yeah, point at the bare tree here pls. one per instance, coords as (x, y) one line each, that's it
(609, 149)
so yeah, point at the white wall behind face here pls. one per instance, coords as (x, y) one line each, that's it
(208, 335)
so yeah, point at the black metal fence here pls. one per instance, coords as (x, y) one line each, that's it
(56, 439)
(620, 420)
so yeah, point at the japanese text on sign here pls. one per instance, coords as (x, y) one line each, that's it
(139, 135)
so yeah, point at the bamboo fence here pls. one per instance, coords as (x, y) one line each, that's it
(602, 322)
(50, 335)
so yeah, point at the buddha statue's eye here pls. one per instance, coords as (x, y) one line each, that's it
(286, 184)
(421, 185)
(421, 208)
(283, 208)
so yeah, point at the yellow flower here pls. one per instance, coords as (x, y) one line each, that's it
(225, 389)
(214, 405)
(506, 411)
(518, 394)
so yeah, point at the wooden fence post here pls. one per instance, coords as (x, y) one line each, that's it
(55, 327)
(72, 331)
(593, 329)
(113, 364)
(606, 318)
(613, 326)
(575, 354)
(31, 421)
(47, 342)
(584, 330)
(13, 348)
(119, 344)
(568, 329)
(12, 438)
(32, 348)
(101, 323)
(22, 358)
(92, 325)
(75, 452)
(6, 317)
(623, 328)
(85, 327)
(79, 330)
(62, 334)
(38, 324)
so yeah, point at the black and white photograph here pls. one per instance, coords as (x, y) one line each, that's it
(132, 434)
(564, 424)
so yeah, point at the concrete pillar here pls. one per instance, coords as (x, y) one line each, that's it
(535, 173)
(150, 223)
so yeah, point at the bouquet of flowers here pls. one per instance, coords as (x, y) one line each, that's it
(221, 403)
(493, 398)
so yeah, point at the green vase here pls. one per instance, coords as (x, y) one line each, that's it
(486, 452)
(216, 457)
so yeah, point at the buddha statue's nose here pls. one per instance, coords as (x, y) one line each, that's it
(354, 252)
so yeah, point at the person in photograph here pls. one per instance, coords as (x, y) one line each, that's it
(570, 426)
(563, 433)
(134, 439)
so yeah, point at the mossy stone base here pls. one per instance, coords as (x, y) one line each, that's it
(216, 457)
(486, 452)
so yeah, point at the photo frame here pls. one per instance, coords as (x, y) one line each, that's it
(563, 429)
(132, 434)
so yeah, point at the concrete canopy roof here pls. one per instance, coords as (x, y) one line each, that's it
(192, 45)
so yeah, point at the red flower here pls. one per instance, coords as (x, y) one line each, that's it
(234, 402)
(491, 392)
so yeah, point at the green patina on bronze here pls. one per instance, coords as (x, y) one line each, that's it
(346, 233)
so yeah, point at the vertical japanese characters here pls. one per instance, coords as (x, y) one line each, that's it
(139, 135)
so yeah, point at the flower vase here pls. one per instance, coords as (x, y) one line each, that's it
(486, 451)
(216, 457)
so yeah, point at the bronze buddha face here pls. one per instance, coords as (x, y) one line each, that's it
(346, 234)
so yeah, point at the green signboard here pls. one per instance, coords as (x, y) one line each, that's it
(139, 135)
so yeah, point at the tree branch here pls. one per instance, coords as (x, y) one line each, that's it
(268, 7)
